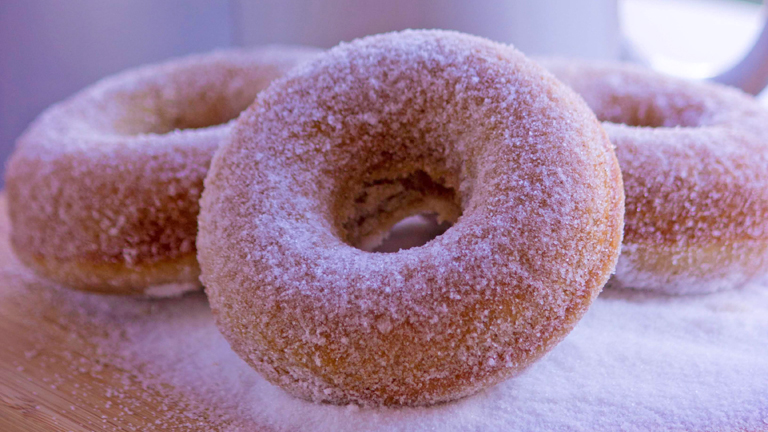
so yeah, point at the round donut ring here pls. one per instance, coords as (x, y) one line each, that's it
(103, 188)
(330, 157)
(694, 157)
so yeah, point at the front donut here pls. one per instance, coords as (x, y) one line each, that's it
(332, 155)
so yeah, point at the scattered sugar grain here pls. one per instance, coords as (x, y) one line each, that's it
(635, 362)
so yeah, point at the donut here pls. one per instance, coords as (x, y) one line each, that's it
(103, 188)
(376, 130)
(694, 157)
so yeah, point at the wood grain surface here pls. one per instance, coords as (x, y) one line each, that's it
(54, 378)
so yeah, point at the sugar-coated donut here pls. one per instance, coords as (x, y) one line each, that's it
(694, 157)
(335, 153)
(103, 188)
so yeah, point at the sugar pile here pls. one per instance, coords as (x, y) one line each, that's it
(635, 362)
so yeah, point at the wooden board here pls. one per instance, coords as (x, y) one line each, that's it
(53, 377)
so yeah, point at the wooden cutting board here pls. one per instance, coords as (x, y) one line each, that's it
(62, 367)
(54, 378)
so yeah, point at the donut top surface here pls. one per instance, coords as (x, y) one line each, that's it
(181, 96)
(635, 96)
(378, 129)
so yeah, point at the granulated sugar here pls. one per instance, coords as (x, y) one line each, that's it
(635, 362)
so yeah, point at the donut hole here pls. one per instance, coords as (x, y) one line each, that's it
(202, 112)
(187, 99)
(413, 231)
(391, 213)
(660, 111)
(156, 115)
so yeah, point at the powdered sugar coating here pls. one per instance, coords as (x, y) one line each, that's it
(104, 187)
(370, 132)
(694, 157)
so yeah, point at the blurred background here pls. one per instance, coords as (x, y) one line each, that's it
(49, 49)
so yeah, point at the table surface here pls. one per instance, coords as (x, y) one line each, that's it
(54, 377)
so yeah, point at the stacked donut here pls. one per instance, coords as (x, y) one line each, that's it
(104, 191)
